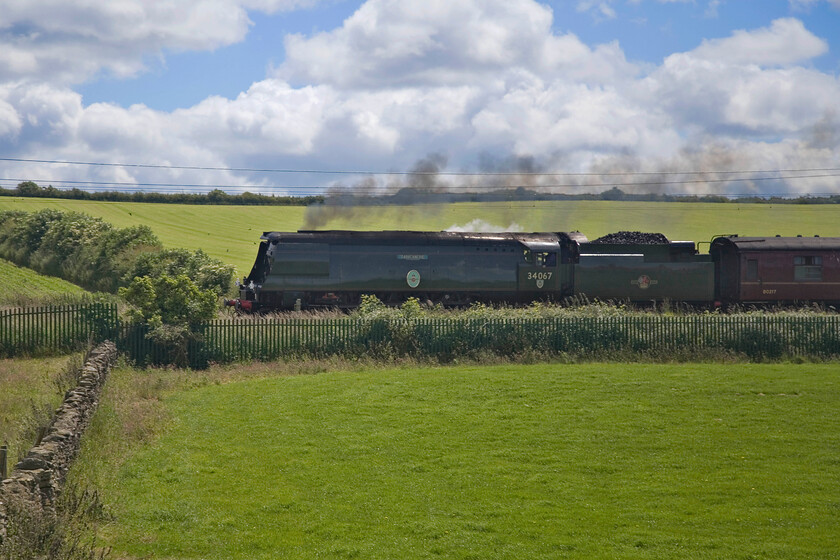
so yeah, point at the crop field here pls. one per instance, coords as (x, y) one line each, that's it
(23, 286)
(231, 233)
(536, 461)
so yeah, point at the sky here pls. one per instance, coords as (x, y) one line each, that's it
(732, 97)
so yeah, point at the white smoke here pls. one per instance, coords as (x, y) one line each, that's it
(480, 226)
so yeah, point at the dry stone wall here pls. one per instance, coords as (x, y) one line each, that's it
(37, 480)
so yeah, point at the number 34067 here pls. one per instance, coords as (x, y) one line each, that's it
(539, 275)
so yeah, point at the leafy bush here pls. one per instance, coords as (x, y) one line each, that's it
(206, 272)
(93, 254)
(21, 233)
(169, 300)
(61, 250)
(171, 307)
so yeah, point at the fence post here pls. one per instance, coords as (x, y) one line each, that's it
(4, 454)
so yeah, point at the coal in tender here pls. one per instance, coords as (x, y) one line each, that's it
(632, 238)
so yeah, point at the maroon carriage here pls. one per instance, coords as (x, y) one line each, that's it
(777, 269)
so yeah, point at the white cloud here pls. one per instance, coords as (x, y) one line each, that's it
(392, 43)
(805, 4)
(603, 8)
(400, 80)
(569, 120)
(10, 123)
(722, 87)
(785, 42)
(68, 42)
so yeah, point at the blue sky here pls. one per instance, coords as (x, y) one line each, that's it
(583, 86)
(646, 32)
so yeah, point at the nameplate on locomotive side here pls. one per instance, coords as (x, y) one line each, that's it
(413, 257)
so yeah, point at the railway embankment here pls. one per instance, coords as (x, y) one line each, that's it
(38, 479)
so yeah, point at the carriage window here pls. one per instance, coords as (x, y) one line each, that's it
(752, 269)
(807, 268)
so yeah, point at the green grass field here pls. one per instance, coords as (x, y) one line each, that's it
(231, 233)
(539, 461)
(23, 286)
(29, 392)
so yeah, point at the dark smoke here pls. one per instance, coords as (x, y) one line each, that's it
(825, 135)
(712, 168)
(344, 202)
(511, 178)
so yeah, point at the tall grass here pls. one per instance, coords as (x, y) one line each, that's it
(32, 389)
(67, 534)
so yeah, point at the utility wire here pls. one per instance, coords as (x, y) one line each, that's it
(448, 173)
(375, 189)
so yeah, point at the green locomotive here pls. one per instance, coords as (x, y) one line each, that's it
(309, 269)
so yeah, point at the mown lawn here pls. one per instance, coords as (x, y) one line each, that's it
(231, 233)
(538, 461)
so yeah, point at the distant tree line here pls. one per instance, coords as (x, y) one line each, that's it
(415, 195)
(403, 196)
(216, 196)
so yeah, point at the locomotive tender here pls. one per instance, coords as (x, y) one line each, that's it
(310, 269)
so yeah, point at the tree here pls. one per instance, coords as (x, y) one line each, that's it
(28, 188)
(208, 273)
(171, 307)
(169, 300)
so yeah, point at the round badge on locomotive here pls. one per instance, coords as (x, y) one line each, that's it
(412, 278)
(644, 282)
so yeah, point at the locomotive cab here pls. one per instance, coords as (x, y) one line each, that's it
(539, 272)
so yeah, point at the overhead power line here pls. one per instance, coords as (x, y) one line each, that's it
(375, 189)
(447, 173)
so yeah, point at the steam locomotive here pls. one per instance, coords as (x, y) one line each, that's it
(311, 269)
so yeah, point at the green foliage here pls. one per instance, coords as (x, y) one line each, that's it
(21, 233)
(28, 188)
(32, 389)
(90, 252)
(370, 306)
(411, 308)
(169, 300)
(392, 334)
(112, 259)
(64, 243)
(171, 307)
(206, 272)
(216, 196)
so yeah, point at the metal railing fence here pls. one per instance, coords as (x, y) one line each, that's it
(759, 338)
(61, 329)
(55, 329)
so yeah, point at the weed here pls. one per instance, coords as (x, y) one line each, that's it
(68, 533)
